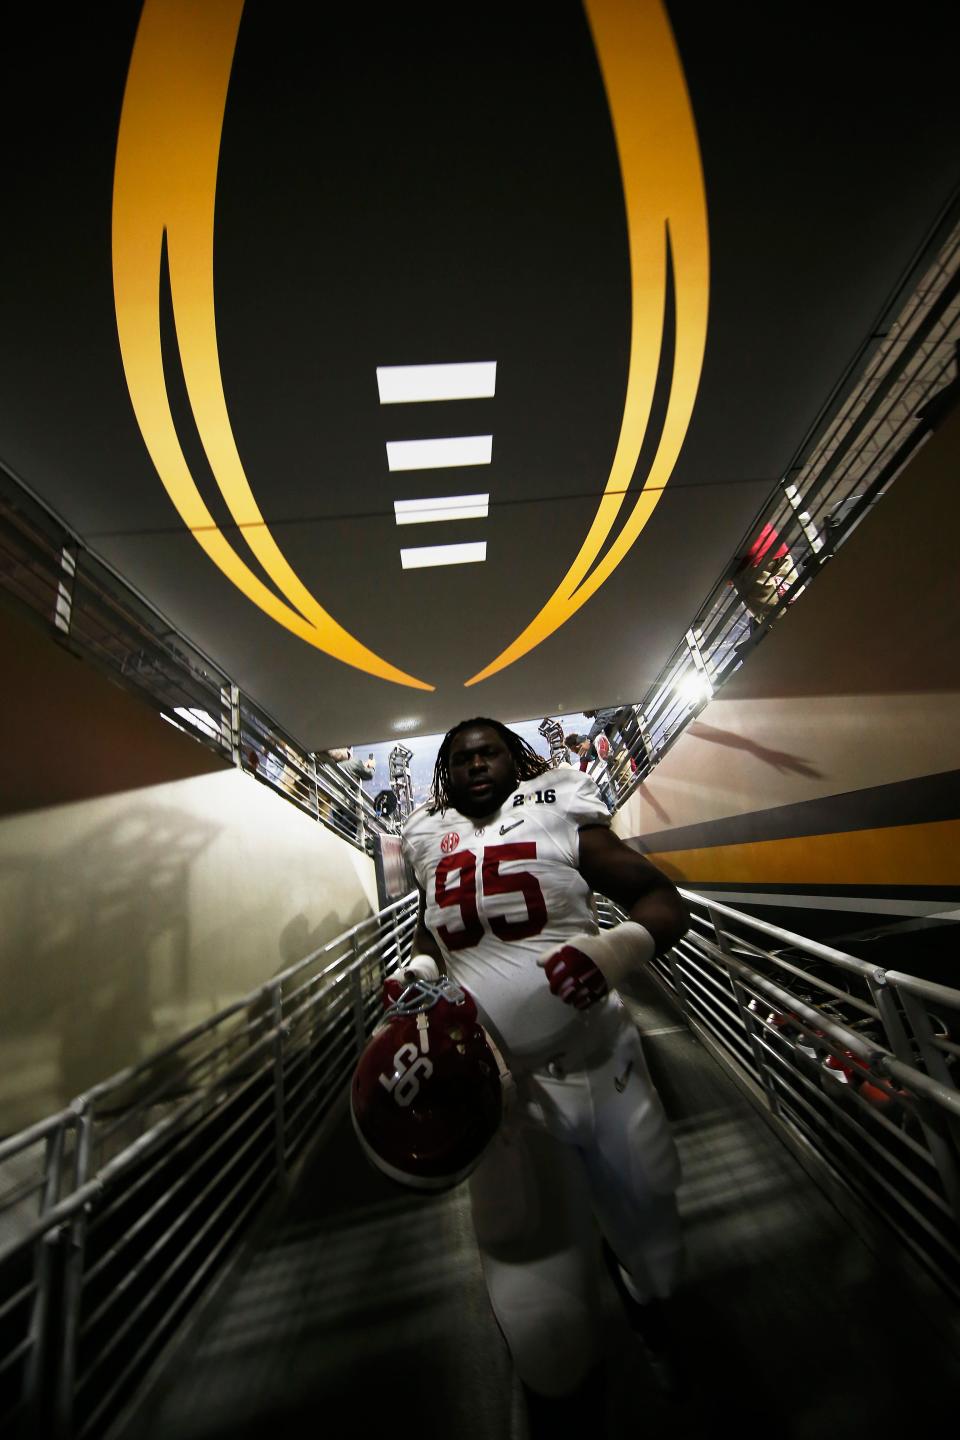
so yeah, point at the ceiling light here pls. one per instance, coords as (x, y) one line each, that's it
(446, 507)
(694, 688)
(420, 556)
(408, 384)
(439, 454)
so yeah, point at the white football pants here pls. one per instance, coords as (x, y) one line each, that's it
(584, 1140)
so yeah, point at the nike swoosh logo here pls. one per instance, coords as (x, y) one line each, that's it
(505, 828)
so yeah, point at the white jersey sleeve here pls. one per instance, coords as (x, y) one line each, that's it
(503, 891)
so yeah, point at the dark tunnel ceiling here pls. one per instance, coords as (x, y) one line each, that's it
(411, 185)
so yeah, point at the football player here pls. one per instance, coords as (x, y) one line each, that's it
(507, 853)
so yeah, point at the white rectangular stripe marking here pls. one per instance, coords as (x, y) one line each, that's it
(409, 384)
(422, 555)
(439, 454)
(447, 507)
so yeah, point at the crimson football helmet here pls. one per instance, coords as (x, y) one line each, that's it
(426, 1094)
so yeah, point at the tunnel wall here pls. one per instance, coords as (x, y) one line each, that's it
(132, 908)
(824, 775)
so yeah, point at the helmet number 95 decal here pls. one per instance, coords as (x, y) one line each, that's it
(408, 1066)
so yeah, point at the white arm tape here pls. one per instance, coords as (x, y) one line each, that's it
(424, 967)
(619, 952)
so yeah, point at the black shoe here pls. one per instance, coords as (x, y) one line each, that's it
(651, 1323)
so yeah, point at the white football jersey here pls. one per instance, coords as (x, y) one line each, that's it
(505, 890)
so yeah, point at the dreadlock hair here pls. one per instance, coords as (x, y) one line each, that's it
(528, 763)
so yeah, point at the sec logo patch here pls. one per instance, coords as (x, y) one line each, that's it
(450, 842)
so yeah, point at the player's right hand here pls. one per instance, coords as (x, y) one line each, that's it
(573, 977)
(392, 990)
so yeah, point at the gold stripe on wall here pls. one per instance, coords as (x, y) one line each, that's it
(168, 152)
(663, 193)
(925, 854)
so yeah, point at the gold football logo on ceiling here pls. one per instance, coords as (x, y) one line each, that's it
(168, 152)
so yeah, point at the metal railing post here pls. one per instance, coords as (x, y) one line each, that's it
(941, 1130)
(279, 1098)
(795, 501)
(676, 975)
(941, 1151)
(919, 1019)
(230, 722)
(63, 606)
(701, 663)
(73, 1282)
(395, 920)
(314, 783)
(890, 1018)
(40, 1315)
(748, 1021)
(356, 991)
(646, 737)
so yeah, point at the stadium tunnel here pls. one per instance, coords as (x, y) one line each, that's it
(701, 408)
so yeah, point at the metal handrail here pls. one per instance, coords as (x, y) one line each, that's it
(96, 614)
(854, 453)
(881, 1061)
(204, 1027)
(915, 985)
(814, 948)
(25, 1139)
(161, 1129)
(842, 1056)
(114, 1221)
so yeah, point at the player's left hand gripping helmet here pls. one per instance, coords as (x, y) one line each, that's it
(426, 1093)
